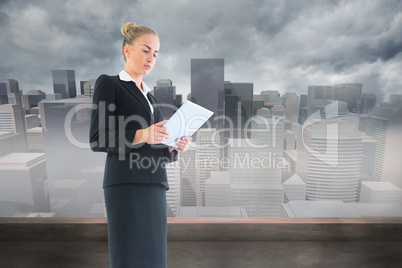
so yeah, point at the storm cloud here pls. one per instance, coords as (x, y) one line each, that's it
(281, 45)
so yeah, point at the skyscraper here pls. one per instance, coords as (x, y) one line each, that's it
(384, 125)
(291, 102)
(366, 103)
(238, 107)
(64, 83)
(329, 159)
(165, 92)
(207, 86)
(10, 92)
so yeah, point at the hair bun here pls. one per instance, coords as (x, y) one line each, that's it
(127, 27)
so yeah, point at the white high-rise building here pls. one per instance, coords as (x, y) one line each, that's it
(188, 174)
(329, 160)
(207, 159)
(384, 125)
(173, 194)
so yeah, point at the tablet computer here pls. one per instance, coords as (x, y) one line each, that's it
(185, 121)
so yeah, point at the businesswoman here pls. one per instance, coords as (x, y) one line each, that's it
(126, 123)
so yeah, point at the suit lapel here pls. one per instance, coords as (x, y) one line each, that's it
(155, 104)
(132, 88)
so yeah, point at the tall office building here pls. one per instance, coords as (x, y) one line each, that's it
(302, 109)
(366, 103)
(173, 195)
(207, 159)
(12, 118)
(10, 92)
(74, 171)
(64, 83)
(291, 102)
(165, 92)
(207, 87)
(329, 159)
(384, 125)
(188, 174)
(82, 83)
(238, 108)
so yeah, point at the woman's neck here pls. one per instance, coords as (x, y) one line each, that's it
(137, 78)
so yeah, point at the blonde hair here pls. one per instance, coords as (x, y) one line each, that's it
(131, 32)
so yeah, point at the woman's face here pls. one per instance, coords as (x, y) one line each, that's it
(141, 56)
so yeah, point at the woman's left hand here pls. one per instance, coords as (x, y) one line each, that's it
(183, 143)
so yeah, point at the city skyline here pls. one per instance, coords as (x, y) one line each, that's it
(282, 46)
(276, 170)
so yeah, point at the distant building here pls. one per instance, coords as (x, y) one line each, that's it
(238, 107)
(64, 83)
(366, 103)
(23, 184)
(291, 103)
(329, 160)
(207, 155)
(32, 98)
(327, 208)
(207, 87)
(295, 188)
(349, 93)
(380, 192)
(9, 142)
(35, 140)
(384, 125)
(165, 93)
(212, 212)
(188, 177)
(218, 189)
(12, 118)
(271, 98)
(10, 92)
(74, 171)
(173, 195)
(89, 88)
(258, 103)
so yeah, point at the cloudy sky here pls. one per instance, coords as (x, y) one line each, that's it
(277, 45)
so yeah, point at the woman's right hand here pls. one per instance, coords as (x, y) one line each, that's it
(155, 133)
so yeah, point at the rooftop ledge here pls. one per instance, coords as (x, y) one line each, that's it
(213, 229)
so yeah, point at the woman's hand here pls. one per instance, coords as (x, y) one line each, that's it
(154, 134)
(183, 143)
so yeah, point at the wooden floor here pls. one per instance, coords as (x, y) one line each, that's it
(212, 242)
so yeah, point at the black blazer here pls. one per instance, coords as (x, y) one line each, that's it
(119, 110)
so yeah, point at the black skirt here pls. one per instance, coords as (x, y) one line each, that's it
(137, 225)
